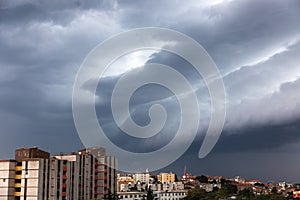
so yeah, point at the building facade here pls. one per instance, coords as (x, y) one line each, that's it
(142, 177)
(166, 177)
(34, 175)
(7, 179)
(157, 195)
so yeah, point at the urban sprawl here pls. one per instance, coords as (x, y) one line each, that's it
(90, 174)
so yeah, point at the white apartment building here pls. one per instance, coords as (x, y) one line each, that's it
(142, 177)
(7, 179)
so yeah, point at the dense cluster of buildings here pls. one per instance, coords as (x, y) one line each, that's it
(163, 186)
(90, 174)
(34, 174)
(87, 174)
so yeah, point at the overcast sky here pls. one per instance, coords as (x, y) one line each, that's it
(255, 44)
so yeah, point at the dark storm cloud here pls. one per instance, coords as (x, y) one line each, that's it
(254, 43)
(42, 46)
(24, 12)
(260, 139)
(229, 31)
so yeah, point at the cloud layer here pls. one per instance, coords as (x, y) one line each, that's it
(255, 44)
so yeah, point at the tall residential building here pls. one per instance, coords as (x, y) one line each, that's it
(32, 169)
(34, 183)
(166, 177)
(95, 174)
(33, 152)
(7, 179)
(88, 174)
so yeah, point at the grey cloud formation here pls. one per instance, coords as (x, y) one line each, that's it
(255, 44)
(266, 92)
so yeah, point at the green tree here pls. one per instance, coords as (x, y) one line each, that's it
(228, 190)
(196, 194)
(270, 197)
(274, 190)
(149, 195)
(202, 179)
(215, 189)
(154, 178)
(111, 196)
(176, 178)
(246, 194)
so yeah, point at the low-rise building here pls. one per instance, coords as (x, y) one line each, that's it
(174, 195)
(166, 177)
(131, 195)
(209, 187)
(125, 183)
(158, 195)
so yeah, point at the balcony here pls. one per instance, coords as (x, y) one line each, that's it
(65, 168)
(18, 168)
(17, 194)
(64, 176)
(18, 176)
(17, 185)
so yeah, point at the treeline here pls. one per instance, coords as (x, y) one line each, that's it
(227, 191)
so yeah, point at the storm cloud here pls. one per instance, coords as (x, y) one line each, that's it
(255, 44)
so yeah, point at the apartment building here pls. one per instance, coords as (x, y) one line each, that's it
(7, 179)
(158, 195)
(89, 174)
(166, 177)
(34, 175)
(142, 177)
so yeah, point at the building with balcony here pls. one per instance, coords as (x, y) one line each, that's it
(142, 177)
(87, 174)
(7, 179)
(166, 177)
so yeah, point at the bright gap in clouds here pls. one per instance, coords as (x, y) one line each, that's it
(257, 60)
(129, 62)
(210, 3)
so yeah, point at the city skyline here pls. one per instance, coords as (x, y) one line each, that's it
(255, 45)
(35, 153)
